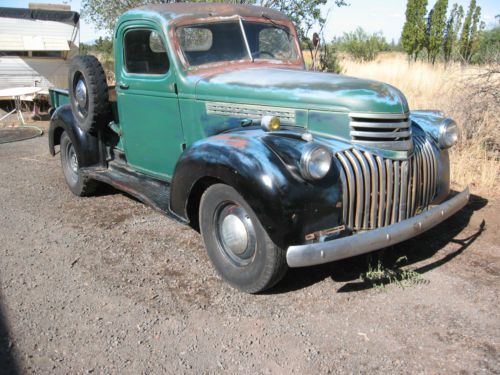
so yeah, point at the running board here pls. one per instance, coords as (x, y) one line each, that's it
(149, 190)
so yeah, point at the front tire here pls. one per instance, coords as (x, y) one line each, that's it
(78, 183)
(237, 243)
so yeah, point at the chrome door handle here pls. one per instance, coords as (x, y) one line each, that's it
(123, 86)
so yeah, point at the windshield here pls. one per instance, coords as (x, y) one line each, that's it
(224, 41)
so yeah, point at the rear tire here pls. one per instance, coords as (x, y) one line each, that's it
(237, 243)
(88, 93)
(78, 183)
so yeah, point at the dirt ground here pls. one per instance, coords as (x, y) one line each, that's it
(107, 285)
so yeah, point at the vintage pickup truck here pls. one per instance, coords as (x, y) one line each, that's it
(216, 122)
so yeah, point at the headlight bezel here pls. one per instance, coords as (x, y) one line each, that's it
(310, 155)
(448, 134)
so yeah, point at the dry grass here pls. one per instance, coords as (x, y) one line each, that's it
(470, 95)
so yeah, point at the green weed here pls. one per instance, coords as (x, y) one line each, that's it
(379, 274)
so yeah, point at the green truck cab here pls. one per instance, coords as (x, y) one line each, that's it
(215, 122)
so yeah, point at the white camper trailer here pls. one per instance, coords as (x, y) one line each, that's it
(36, 46)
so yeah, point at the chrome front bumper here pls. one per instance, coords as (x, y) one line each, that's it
(364, 242)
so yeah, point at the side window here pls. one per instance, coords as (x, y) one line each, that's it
(145, 52)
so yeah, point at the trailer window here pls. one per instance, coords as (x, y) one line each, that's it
(13, 53)
(145, 52)
(54, 54)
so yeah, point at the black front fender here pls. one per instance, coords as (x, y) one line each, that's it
(262, 167)
(87, 145)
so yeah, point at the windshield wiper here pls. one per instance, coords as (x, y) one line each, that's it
(245, 39)
(277, 25)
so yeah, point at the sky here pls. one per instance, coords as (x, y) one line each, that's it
(387, 16)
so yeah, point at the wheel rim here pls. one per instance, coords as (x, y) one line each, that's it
(235, 233)
(71, 163)
(81, 98)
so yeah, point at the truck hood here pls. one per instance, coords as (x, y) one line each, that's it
(301, 89)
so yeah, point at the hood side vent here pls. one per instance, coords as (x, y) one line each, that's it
(384, 131)
(286, 115)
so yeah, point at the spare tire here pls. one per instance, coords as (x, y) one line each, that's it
(88, 93)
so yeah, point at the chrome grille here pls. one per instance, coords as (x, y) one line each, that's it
(380, 192)
(387, 131)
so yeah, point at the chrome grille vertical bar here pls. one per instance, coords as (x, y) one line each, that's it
(374, 173)
(351, 186)
(367, 184)
(345, 191)
(359, 190)
(433, 163)
(390, 188)
(429, 172)
(382, 194)
(425, 166)
(408, 189)
(414, 185)
(403, 190)
(420, 177)
(395, 206)
(425, 177)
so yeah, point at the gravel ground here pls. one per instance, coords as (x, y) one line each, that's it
(107, 285)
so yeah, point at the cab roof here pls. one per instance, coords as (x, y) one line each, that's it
(176, 11)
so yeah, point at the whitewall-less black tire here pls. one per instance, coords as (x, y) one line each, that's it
(78, 183)
(237, 243)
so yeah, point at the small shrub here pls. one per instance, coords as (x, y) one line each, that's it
(361, 45)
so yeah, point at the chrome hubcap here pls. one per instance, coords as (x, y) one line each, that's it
(81, 93)
(235, 233)
(70, 164)
(73, 161)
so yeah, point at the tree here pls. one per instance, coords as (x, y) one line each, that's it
(489, 49)
(306, 14)
(471, 32)
(451, 32)
(476, 33)
(414, 29)
(436, 29)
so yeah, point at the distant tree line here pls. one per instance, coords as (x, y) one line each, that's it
(459, 36)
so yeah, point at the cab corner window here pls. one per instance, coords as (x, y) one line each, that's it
(145, 52)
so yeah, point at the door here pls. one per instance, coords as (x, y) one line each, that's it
(148, 107)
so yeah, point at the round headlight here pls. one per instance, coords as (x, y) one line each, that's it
(448, 133)
(315, 162)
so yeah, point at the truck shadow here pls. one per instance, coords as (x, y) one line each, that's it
(417, 249)
(8, 364)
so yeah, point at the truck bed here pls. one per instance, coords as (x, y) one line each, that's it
(59, 97)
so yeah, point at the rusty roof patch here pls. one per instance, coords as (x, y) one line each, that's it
(173, 11)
